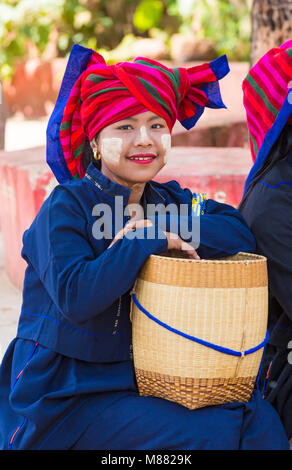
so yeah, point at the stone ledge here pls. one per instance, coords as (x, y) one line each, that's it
(218, 172)
(215, 133)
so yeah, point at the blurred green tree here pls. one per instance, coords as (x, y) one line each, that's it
(227, 23)
(25, 27)
(49, 28)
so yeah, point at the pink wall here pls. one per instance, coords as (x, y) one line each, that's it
(26, 181)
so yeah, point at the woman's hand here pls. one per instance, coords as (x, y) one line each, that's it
(131, 225)
(176, 243)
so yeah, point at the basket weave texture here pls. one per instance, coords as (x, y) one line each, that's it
(223, 302)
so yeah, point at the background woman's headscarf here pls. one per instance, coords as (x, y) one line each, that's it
(94, 95)
(268, 103)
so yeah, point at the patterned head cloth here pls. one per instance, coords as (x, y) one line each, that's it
(268, 102)
(94, 95)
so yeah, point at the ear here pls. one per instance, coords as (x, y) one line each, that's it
(94, 143)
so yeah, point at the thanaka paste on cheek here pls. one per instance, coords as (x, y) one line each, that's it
(166, 144)
(111, 149)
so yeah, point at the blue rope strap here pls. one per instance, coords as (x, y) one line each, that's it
(231, 352)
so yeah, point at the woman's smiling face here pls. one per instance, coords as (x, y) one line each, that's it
(133, 150)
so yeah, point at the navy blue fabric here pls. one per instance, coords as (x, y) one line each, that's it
(267, 209)
(57, 403)
(48, 399)
(71, 361)
(145, 423)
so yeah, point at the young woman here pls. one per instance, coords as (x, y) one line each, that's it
(67, 380)
(268, 102)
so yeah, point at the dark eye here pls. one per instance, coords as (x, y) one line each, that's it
(125, 127)
(157, 126)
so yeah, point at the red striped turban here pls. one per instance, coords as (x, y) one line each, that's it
(94, 95)
(268, 102)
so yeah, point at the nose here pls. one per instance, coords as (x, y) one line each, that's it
(143, 137)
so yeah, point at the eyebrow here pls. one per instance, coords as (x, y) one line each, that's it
(132, 118)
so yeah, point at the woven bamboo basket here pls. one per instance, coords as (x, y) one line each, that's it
(222, 303)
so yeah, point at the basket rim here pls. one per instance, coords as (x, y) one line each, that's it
(253, 258)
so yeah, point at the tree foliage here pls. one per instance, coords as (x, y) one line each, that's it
(30, 27)
(228, 23)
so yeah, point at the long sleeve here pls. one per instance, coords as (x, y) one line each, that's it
(220, 231)
(80, 284)
(223, 231)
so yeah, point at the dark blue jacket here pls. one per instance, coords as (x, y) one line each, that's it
(76, 291)
(266, 207)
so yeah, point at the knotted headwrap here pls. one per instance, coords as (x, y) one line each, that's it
(268, 102)
(94, 95)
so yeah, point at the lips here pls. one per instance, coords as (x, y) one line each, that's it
(142, 158)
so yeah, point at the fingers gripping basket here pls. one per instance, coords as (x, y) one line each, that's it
(199, 328)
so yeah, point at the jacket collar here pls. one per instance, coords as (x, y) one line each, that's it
(108, 187)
